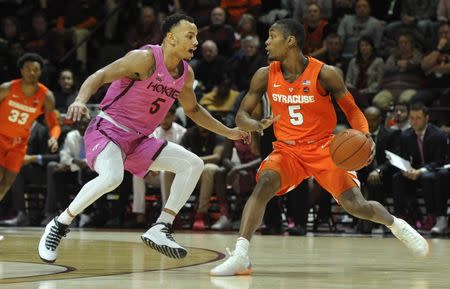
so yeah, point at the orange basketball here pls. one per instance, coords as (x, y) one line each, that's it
(350, 149)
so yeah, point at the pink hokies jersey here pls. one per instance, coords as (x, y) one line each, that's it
(142, 105)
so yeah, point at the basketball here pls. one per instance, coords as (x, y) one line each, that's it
(350, 149)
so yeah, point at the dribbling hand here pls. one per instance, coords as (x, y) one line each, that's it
(77, 110)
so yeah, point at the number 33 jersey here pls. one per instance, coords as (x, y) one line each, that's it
(305, 114)
(18, 111)
(142, 105)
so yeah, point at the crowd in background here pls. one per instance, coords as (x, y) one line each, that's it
(392, 54)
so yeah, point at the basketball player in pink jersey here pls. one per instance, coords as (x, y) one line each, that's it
(145, 84)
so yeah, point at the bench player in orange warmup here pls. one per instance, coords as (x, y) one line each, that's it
(21, 102)
(300, 89)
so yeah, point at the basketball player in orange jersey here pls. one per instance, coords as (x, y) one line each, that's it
(300, 90)
(21, 102)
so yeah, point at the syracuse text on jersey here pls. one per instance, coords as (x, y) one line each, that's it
(295, 98)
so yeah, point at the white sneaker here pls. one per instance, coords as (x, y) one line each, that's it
(410, 237)
(159, 237)
(236, 264)
(441, 225)
(48, 245)
(223, 223)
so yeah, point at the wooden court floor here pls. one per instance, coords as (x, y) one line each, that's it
(105, 259)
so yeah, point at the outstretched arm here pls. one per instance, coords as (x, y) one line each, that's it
(52, 121)
(201, 116)
(258, 86)
(136, 64)
(330, 79)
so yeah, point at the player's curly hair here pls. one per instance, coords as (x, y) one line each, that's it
(30, 57)
(172, 21)
(294, 28)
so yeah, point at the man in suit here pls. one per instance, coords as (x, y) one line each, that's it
(376, 178)
(424, 145)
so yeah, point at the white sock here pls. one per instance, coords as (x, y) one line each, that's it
(165, 218)
(65, 218)
(242, 245)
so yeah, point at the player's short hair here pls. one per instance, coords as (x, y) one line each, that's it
(294, 28)
(172, 21)
(30, 57)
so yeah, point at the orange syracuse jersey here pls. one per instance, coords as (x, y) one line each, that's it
(18, 111)
(305, 114)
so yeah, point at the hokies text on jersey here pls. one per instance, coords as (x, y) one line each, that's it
(163, 89)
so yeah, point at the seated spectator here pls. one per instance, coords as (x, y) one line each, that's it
(32, 172)
(416, 16)
(221, 99)
(332, 54)
(146, 30)
(246, 28)
(301, 8)
(66, 93)
(364, 72)
(220, 33)
(209, 147)
(10, 31)
(401, 117)
(246, 62)
(436, 65)
(402, 74)
(47, 43)
(316, 29)
(72, 169)
(169, 131)
(376, 178)
(353, 27)
(211, 68)
(11, 48)
(76, 19)
(16, 51)
(240, 175)
(425, 145)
